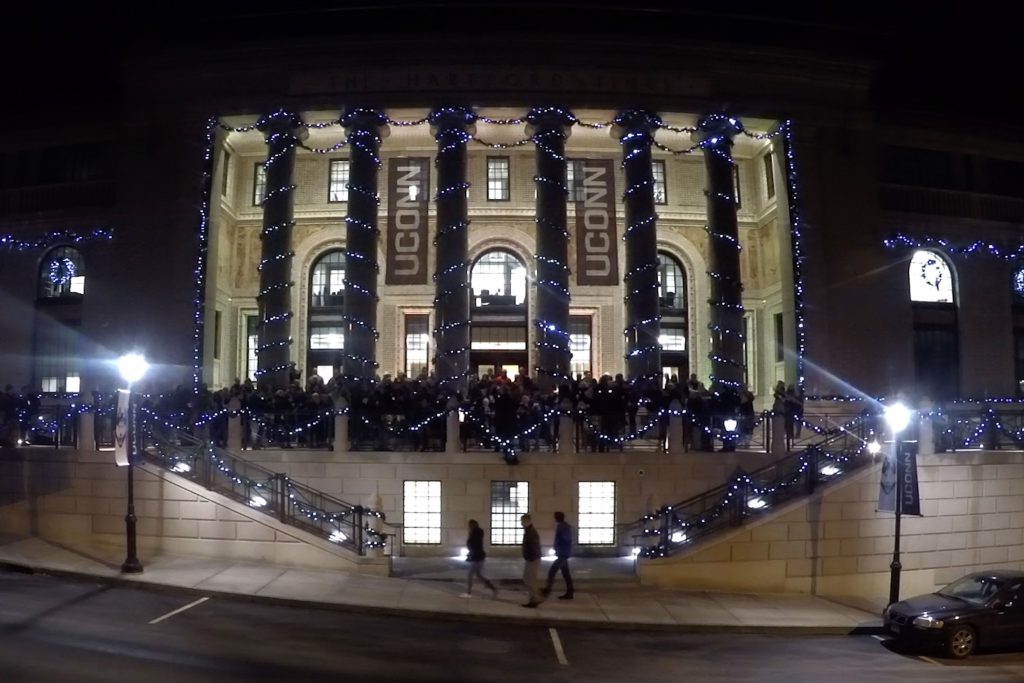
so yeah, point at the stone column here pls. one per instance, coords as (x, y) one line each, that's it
(364, 128)
(715, 133)
(451, 128)
(549, 129)
(635, 130)
(283, 130)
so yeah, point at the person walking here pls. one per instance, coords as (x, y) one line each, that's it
(563, 550)
(531, 558)
(476, 557)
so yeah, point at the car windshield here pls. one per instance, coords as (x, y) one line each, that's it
(973, 589)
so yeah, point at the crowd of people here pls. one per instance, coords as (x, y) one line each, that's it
(497, 412)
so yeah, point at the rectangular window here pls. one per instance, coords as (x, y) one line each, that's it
(574, 170)
(497, 179)
(581, 344)
(72, 384)
(421, 511)
(672, 338)
(596, 512)
(509, 501)
(748, 325)
(326, 338)
(337, 190)
(780, 339)
(252, 341)
(417, 344)
(225, 173)
(216, 335)
(769, 174)
(736, 184)
(498, 338)
(660, 187)
(57, 355)
(259, 184)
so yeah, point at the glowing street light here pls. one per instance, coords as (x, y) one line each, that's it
(897, 416)
(133, 367)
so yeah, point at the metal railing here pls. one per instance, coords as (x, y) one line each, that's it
(746, 495)
(272, 493)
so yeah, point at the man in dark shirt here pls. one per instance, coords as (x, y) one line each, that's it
(563, 550)
(531, 557)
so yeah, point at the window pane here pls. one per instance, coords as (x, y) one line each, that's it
(671, 283)
(327, 338)
(580, 344)
(422, 511)
(769, 174)
(497, 178)
(338, 187)
(417, 344)
(672, 339)
(660, 189)
(252, 340)
(596, 512)
(930, 278)
(509, 501)
(736, 184)
(62, 273)
(498, 274)
(327, 286)
(259, 184)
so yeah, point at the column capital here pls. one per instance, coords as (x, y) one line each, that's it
(365, 118)
(282, 121)
(444, 118)
(634, 121)
(721, 126)
(540, 119)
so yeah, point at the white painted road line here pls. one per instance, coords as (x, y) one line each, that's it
(881, 638)
(178, 611)
(929, 660)
(559, 652)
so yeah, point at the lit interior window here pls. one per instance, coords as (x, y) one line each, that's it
(73, 384)
(509, 501)
(596, 512)
(931, 280)
(422, 511)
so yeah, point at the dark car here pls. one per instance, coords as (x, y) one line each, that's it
(984, 608)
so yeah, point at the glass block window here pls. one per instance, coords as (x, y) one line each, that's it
(769, 174)
(660, 187)
(337, 190)
(596, 512)
(421, 510)
(498, 274)
(498, 179)
(672, 338)
(931, 279)
(580, 344)
(259, 184)
(671, 282)
(510, 500)
(326, 338)
(417, 344)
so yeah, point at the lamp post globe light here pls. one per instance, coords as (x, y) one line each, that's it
(133, 367)
(897, 416)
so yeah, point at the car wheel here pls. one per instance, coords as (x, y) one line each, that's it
(961, 642)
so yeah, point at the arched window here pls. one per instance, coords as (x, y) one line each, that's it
(498, 278)
(931, 279)
(57, 366)
(671, 281)
(326, 334)
(327, 286)
(936, 336)
(62, 274)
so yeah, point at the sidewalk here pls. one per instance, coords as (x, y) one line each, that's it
(604, 601)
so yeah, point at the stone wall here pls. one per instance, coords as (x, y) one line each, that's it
(80, 498)
(836, 545)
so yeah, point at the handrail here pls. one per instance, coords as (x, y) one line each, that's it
(270, 492)
(747, 494)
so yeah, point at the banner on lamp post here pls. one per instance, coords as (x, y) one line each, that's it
(899, 480)
(121, 429)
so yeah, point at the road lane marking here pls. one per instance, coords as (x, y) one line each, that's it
(881, 638)
(559, 652)
(178, 611)
(929, 660)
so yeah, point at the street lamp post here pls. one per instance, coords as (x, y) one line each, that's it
(898, 417)
(132, 367)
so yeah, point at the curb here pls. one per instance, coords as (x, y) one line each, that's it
(15, 567)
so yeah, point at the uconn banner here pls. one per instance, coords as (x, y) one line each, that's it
(593, 188)
(899, 485)
(408, 200)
